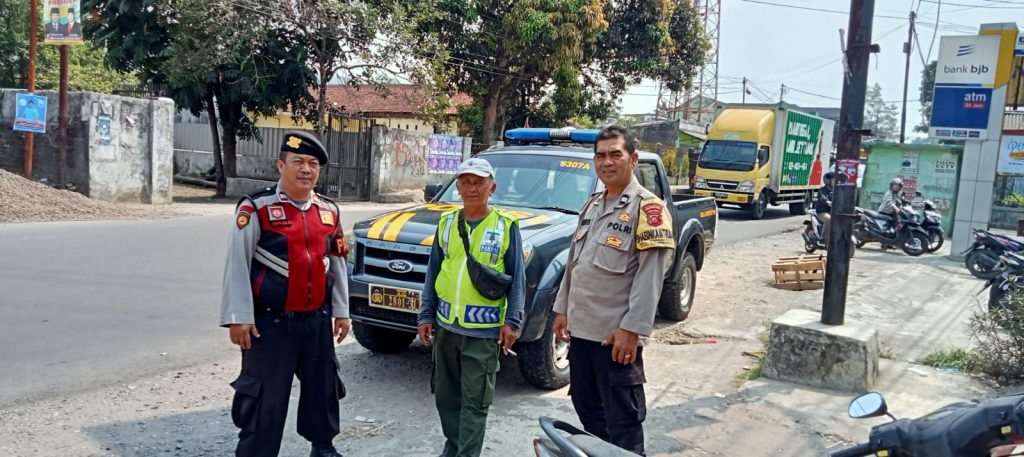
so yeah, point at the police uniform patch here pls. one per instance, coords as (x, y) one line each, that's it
(653, 211)
(624, 200)
(613, 241)
(340, 247)
(276, 213)
(242, 220)
(327, 217)
(624, 217)
(655, 229)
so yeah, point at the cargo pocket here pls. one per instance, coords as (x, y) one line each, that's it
(492, 375)
(246, 405)
(626, 383)
(339, 385)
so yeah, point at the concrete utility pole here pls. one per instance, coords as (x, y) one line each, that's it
(62, 119)
(851, 119)
(744, 90)
(907, 48)
(782, 93)
(33, 20)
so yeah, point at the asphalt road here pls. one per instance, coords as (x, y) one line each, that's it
(86, 304)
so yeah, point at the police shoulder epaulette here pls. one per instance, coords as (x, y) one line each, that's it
(330, 202)
(654, 225)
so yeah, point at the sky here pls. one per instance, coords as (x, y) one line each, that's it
(772, 45)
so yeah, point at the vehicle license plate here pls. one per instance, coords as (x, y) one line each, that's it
(396, 298)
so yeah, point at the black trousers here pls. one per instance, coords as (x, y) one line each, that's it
(287, 348)
(608, 396)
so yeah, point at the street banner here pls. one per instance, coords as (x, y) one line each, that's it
(61, 22)
(964, 78)
(30, 114)
(445, 154)
(1011, 155)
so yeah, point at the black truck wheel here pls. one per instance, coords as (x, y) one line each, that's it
(380, 339)
(544, 363)
(756, 209)
(800, 209)
(677, 296)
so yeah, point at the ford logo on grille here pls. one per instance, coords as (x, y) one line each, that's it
(399, 266)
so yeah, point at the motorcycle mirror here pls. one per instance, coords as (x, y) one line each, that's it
(871, 404)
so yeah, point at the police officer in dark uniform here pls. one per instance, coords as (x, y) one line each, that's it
(284, 283)
(622, 249)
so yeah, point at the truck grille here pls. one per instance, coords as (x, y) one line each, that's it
(722, 185)
(361, 307)
(375, 256)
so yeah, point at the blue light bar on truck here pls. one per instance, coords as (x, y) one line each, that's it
(538, 135)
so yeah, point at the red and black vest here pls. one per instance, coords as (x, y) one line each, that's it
(290, 269)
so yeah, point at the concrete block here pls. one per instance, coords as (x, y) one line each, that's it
(240, 187)
(805, 351)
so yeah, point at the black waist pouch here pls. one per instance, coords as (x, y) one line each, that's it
(491, 283)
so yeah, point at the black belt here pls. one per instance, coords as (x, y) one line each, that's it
(292, 314)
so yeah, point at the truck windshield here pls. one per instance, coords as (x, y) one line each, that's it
(537, 181)
(728, 155)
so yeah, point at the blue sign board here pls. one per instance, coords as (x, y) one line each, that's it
(960, 112)
(30, 115)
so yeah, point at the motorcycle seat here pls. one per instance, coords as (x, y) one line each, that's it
(595, 447)
(877, 215)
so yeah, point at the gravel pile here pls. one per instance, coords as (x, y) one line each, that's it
(28, 201)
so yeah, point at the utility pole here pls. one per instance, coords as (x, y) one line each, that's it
(62, 119)
(782, 93)
(907, 47)
(744, 90)
(33, 23)
(851, 120)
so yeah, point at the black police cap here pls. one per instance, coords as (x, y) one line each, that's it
(304, 143)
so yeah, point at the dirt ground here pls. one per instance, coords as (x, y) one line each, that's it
(698, 401)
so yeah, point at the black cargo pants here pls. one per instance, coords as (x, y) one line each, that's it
(608, 396)
(287, 347)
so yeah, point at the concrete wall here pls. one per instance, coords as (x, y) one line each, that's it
(400, 162)
(131, 163)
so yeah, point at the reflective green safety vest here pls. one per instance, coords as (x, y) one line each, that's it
(459, 303)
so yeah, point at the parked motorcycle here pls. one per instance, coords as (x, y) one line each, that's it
(983, 255)
(908, 235)
(970, 429)
(578, 443)
(932, 224)
(1010, 277)
(814, 233)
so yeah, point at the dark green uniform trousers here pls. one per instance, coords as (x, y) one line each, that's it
(464, 372)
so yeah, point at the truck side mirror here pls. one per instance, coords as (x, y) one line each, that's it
(762, 156)
(431, 191)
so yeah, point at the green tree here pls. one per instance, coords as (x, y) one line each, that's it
(881, 118)
(579, 55)
(253, 66)
(87, 68)
(927, 95)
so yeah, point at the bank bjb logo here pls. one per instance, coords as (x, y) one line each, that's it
(979, 69)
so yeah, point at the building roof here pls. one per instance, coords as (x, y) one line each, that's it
(390, 98)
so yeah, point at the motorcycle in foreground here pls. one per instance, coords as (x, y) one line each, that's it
(908, 235)
(983, 255)
(814, 233)
(578, 443)
(969, 429)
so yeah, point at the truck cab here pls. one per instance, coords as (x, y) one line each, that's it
(543, 178)
(755, 157)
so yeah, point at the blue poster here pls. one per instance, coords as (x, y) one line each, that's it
(31, 113)
(961, 112)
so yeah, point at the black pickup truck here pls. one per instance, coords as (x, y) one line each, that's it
(543, 182)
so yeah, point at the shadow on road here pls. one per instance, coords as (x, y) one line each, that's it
(739, 215)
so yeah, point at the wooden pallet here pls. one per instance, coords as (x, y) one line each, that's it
(805, 272)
